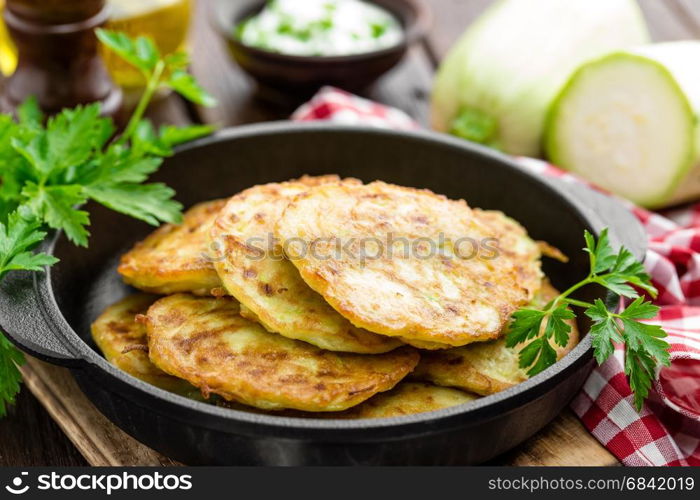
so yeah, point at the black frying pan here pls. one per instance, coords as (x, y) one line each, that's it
(49, 315)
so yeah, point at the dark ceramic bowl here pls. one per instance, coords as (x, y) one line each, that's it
(296, 78)
(49, 315)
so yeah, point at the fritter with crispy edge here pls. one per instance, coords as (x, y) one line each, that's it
(206, 342)
(512, 240)
(414, 265)
(174, 258)
(488, 367)
(408, 398)
(254, 271)
(123, 343)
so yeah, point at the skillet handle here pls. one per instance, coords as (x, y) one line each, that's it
(28, 324)
(625, 228)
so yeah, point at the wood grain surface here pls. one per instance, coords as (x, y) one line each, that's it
(95, 437)
(65, 429)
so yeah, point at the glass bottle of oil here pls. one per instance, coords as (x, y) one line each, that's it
(166, 21)
(8, 51)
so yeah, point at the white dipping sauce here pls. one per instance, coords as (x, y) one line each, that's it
(321, 28)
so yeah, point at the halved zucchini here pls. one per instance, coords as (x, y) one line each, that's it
(627, 123)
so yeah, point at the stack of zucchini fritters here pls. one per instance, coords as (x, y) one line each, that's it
(321, 296)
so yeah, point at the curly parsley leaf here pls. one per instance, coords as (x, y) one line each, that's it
(538, 355)
(602, 256)
(603, 331)
(119, 164)
(526, 325)
(29, 112)
(542, 326)
(627, 268)
(184, 84)
(140, 52)
(10, 377)
(70, 138)
(640, 370)
(150, 203)
(641, 336)
(18, 236)
(172, 136)
(56, 206)
(146, 141)
(558, 326)
(620, 273)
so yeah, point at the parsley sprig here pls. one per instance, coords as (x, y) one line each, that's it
(18, 235)
(21, 233)
(645, 347)
(159, 72)
(50, 168)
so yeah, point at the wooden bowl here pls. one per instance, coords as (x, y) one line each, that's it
(296, 78)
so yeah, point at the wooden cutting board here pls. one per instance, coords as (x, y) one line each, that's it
(563, 442)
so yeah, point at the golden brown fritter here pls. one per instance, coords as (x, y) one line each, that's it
(255, 272)
(248, 314)
(123, 342)
(514, 243)
(174, 258)
(408, 398)
(487, 367)
(512, 239)
(414, 265)
(206, 342)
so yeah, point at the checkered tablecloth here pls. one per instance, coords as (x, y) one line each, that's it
(667, 430)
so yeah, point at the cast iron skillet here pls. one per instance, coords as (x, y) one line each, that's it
(48, 315)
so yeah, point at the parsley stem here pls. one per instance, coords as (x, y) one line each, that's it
(151, 87)
(579, 303)
(592, 278)
(563, 296)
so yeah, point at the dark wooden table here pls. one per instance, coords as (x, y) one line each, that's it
(28, 436)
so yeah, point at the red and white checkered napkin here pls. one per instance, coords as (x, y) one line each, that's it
(667, 431)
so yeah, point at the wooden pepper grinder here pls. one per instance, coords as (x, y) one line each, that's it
(58, 58)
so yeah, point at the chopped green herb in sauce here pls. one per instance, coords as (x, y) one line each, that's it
(320, 28)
